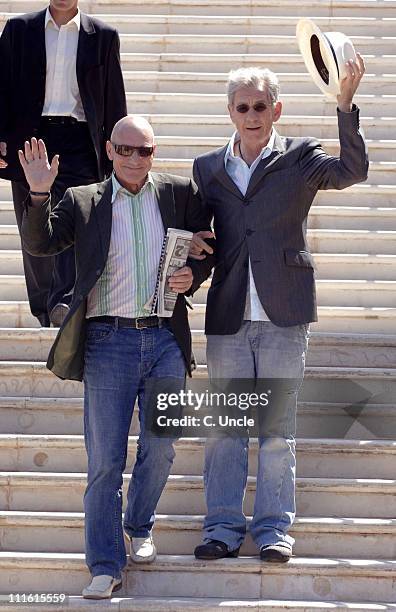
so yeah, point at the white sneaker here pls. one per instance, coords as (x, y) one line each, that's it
(142, 550)
(102, 587)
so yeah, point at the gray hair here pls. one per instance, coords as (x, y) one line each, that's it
(254, 76)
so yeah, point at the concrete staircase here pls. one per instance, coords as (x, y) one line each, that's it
(175, 56)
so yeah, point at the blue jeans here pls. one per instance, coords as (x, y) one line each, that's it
(259, 349)
(118, 361)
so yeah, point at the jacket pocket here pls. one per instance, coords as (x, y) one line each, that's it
(301, 259)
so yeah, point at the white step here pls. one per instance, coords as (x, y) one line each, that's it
(325, 497)
(380, 173)
(222, 24)
(341, 292)
(325, 349)
(57, 532)
(312, 104)
(61, 416)
(215, 82)
(190, 147)
(181, 575)
(288, 125)
(204, 604)
(368, 385)
(328, 265)
(362, 194)
(321, 458)
(326, 8)
(330, 350)
(223, 62)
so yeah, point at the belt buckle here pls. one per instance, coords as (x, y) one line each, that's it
(140, 323)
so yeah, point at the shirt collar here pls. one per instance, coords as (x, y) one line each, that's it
(76, 19)
(229, 154)
(117, 187)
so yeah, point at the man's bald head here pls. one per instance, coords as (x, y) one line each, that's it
(133, 130)
(133, 161)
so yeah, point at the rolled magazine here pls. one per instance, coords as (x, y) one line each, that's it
(175, 249)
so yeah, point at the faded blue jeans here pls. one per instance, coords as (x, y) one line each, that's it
(118, 360)
(258, 350)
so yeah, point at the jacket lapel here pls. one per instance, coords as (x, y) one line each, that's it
(222, 176)
(166, 201)
(36, 48)
(266, 165)
(86, 48)
(104, 214)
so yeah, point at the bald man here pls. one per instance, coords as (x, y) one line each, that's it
(109, 339)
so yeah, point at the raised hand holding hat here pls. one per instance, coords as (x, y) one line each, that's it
(331, 60)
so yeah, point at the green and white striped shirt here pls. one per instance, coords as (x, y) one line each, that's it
(137, 232)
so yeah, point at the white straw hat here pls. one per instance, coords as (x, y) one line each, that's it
(325, 55)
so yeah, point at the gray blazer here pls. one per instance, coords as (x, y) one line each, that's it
(269, 225)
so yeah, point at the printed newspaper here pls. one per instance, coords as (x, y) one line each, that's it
(174, 255)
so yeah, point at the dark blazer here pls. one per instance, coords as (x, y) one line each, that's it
(269, 224)
(84, 218)
(23, 76)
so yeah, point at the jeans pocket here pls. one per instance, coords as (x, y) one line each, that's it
(98, 332)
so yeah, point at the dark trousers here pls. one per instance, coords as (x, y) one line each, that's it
(50, 280)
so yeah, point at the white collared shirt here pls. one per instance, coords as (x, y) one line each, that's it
(241, 173)
(62, 95)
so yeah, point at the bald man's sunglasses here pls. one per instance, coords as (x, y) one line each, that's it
(127, 150)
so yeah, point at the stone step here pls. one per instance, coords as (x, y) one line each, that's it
(181, 147)
(63, 532)
(331, 292)
(64, 416)
(288, 125)
(325, 349)
(223, 24)
(223, 62)
(380, 173)
(320, 217)
(182, 576)
(357, 386)
(347, 319)
(361, 195)
(321, 458)
(328, 265)
(215, 82)
(322, 497)
(326, 8)
(206, 604)
(312, 104)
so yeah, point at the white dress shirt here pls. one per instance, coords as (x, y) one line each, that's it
(241, 173)
(62, 96)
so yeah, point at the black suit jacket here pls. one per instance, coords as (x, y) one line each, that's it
(23, 76)
(84, 218)
(269, 225)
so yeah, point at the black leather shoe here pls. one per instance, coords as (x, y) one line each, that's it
(275, 553)
(214, 549)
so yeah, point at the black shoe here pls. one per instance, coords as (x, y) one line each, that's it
(58, 314)
(44, 320)
(275, 553)
(214, 549)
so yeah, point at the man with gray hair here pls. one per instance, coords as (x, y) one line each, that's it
(258, 190)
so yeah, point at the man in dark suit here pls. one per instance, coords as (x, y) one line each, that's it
(109, 338)
(259, 189)
(60, 80)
